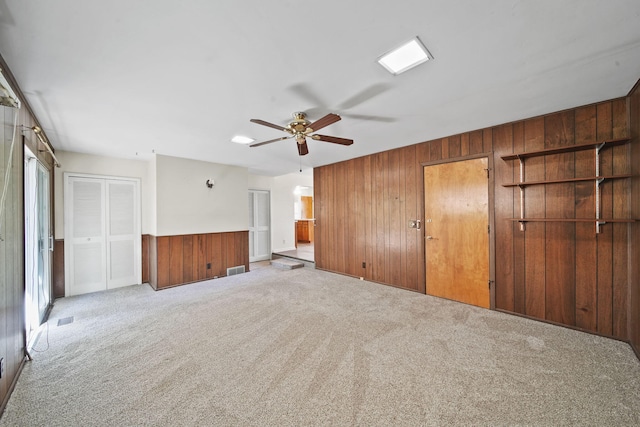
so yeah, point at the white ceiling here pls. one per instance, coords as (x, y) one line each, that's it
(124, 78)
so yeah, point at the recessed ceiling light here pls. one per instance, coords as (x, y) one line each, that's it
(405, 57)
(239, 139)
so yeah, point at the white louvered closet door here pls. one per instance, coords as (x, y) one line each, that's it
(123, 237)
(102, 234)
(86, 257)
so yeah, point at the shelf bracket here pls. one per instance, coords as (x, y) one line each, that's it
(521, 160)
(597, 188)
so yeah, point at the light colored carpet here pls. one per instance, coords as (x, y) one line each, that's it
(304, 347)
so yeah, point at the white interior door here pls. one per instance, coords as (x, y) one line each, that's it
(259, 226)
(102, 233)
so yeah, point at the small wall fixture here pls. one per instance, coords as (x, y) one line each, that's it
(210, 183)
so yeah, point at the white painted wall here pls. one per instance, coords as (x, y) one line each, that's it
(100, 165)
(184, 204)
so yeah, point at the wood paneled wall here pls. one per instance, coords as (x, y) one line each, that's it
(177, 260)
(363, 207)
(12, 278)
(559, 272)
(564, 272)
(634, 252)
(58, 269)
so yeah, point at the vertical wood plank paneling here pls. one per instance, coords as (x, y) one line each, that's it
(586, 246)
(58, 269)
(464, 144)
(621, 209)
(634, 274)
(503, 202)
(487, 140)
(604, 130)
(188, 262)
(444, 147)
(360, 217)
(455, 147)
(380, 223)
(319, 201)
(369, 221)
(393, 259)
(163, 263)
(412, 262)
(435, 150)
(350, 235)
(144, 245)
(475, 142)
(518, 237)
(340, 218)
(535, 233)
(200, 254)
(175, 260)
(560, 238)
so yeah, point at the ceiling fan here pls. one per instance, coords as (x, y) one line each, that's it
(300, 128)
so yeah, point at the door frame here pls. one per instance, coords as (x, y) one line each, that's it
(492, 227)
(66, 219)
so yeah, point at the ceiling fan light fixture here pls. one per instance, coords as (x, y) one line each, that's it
(405, 57)
(239, 139)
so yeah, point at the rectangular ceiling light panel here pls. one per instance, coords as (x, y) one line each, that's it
(239, 139)
(405, 57)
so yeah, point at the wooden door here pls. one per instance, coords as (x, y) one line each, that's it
(456, 199)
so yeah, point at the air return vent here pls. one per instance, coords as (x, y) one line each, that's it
(232, 271)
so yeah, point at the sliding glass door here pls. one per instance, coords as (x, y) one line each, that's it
(38, 243)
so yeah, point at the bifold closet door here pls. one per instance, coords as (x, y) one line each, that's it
(85, 250)
(122, 236)
(102, 234)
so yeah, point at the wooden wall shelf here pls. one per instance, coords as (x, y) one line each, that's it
(560, 181)
(597, 180)
(601, 220)
(566, 149)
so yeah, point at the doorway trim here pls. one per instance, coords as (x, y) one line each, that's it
(492, 227)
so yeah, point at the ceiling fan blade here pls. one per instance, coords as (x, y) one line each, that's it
(369, 118)
(334, 139)
(257, 144)
(324, 121)
(303, 149)
(363, 96)
(271, 125)
(304, 92)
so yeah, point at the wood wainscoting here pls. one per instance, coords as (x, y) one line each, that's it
(177, 260)
(182, 259)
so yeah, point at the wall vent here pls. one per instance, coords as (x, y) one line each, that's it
(232, 271)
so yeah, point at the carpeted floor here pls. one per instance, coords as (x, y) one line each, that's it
(304, 347)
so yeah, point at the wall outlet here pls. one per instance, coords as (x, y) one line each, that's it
(364, 264)
(284, 241)
(208, 266)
